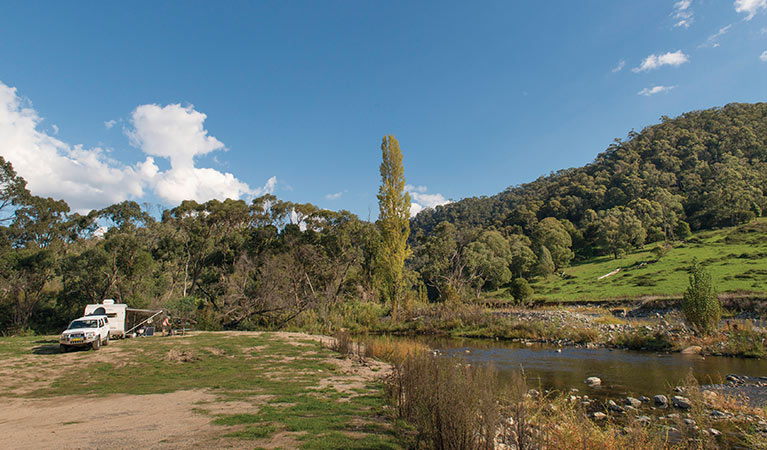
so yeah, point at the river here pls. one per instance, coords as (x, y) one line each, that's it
(623, 372)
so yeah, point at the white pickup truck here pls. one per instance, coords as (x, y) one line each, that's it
(87, 331)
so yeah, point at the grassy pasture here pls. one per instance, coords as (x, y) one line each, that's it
(736, 258)
(284, 386)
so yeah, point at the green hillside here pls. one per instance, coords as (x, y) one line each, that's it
(736, 258)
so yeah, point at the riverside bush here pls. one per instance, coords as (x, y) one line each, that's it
(700, 304)
(520, 289)
(451, 405)
(642, 340)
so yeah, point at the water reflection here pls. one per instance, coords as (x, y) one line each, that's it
(622, 372)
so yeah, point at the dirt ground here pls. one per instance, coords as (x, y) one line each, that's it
(121, 421)
(116, 421)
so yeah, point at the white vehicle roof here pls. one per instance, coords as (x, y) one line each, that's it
(92, 316)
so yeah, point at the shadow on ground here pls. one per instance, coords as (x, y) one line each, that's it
(49, 349)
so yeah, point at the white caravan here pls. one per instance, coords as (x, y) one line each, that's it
(122, 320)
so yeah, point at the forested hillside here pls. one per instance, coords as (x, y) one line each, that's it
(701, 170)
(268, 263)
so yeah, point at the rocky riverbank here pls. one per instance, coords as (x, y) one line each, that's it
(722, 415)
(639, 328)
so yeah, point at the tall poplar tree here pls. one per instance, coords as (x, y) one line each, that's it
(393, 221)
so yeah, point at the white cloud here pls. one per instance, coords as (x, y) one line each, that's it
(683, 14)
(763, 56)
(335, 196)
(419, 189)
(750, 7)
(110, 123)
(653, 61)
(712, 40)
(176, 132)
(655, 90)
(55, 129)
(87, 178)
(620, 66)
(420, 200)
(172, 132)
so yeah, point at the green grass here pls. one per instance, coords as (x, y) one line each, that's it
(736, 258)
(279, 379)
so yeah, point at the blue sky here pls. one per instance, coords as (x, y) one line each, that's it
(158, 101)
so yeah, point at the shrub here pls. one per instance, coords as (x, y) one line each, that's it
(521, 290)
(642, 340)
(660, 250)
(682, 230)
(450, 404)
(342, 343)
(700, 304)
(746, 342)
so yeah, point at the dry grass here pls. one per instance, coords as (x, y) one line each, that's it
(451, 405)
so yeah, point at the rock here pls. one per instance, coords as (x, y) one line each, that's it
(679, 390)
(644, 399)
(673, 416)
(718, 414)
(593, 381)
(681, 402)
(692, 350)
(735, 379)
(689, 422)
(644, 420)
(613, 407)
(598, 415)
(617, 409)
(636, 403)
(714, 432)
(709, 395)
(533, 393)
(559, 350)
(630, 408)
(661, 400)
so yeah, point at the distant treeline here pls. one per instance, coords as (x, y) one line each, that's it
(701, 170)
(269, 263)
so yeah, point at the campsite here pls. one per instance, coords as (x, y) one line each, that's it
(324, 225)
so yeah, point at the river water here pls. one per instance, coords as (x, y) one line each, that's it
(623, 372)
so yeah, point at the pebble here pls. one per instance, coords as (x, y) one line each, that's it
(612, 406)
(681, 402)
(636, 403)
(661, 400)
(593, 381)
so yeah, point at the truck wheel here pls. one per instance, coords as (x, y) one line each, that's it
(106, 342)
(63, 348)
(96, 344)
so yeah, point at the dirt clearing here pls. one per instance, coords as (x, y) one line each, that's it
(116, 421)
(207, 390)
